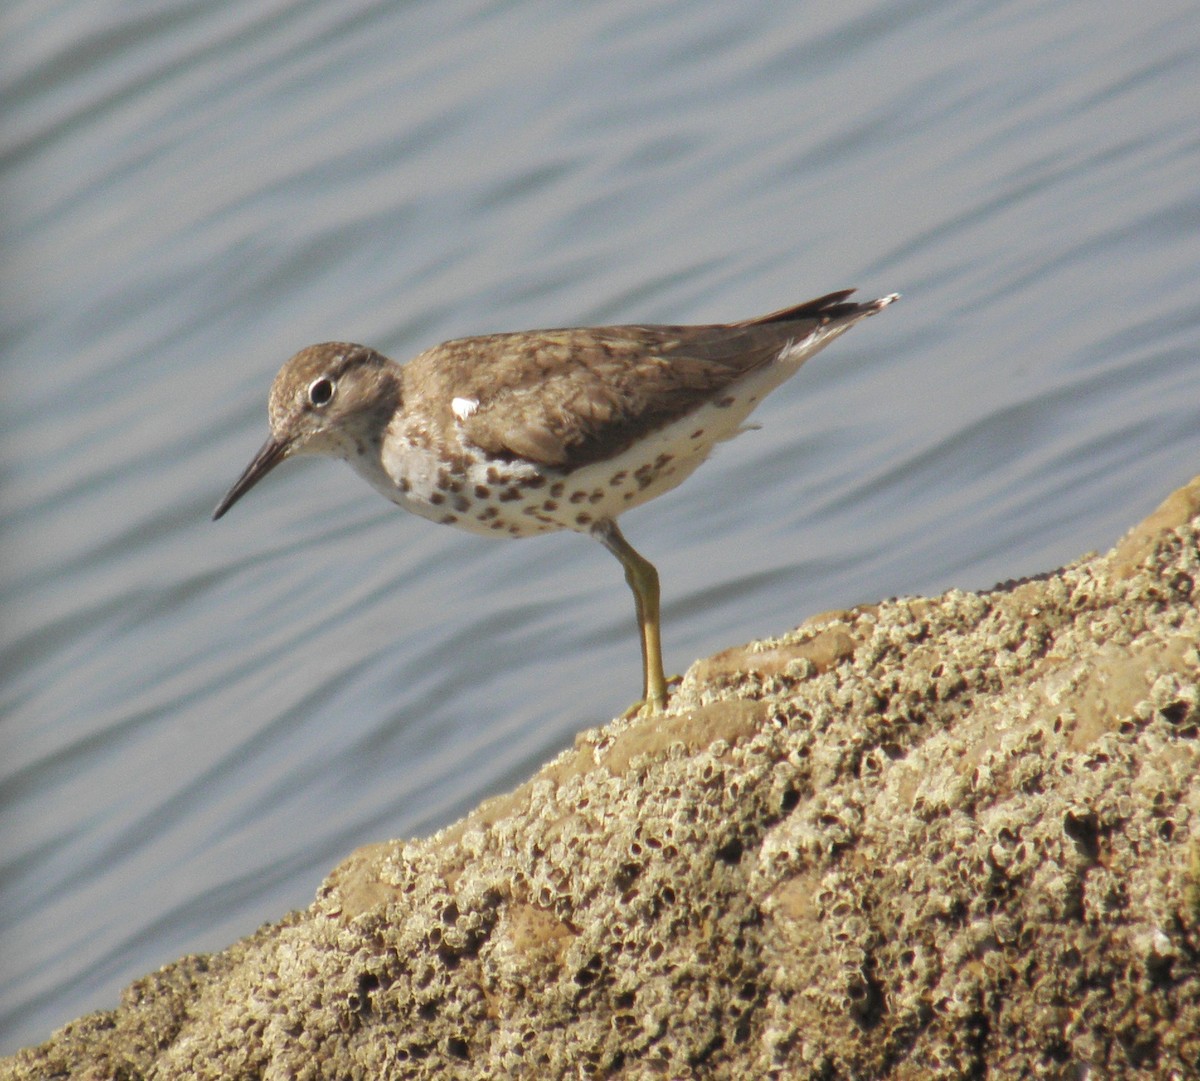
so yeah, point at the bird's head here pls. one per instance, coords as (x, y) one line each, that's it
(329, 399)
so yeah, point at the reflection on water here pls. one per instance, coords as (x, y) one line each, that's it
(198, 720)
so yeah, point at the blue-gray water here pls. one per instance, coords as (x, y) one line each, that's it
(198, 720)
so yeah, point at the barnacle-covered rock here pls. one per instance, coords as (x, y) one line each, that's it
(944, 837)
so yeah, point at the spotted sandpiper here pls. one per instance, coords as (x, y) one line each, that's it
(510, 435)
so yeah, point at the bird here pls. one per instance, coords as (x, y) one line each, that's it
(521, 433)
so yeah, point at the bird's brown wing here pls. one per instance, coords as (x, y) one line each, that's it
(565, 398)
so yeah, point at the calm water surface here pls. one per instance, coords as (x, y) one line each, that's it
(196, 720)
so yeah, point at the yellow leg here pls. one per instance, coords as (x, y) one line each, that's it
(643, 580)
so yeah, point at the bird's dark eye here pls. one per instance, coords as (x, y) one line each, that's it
(320, 391)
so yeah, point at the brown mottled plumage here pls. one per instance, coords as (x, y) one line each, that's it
(523, 433)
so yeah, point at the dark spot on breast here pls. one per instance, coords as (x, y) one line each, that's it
(644, 475)
(582, 518)
(482, 491)
(596, 496)
(461, 503)
(550, 504)
(404, 486)
(536, 481)
(516, 530)
(508, 495)
(618, 478)
(448, 519)
(697, 433)
(726, 402)
(486, 513)
(662, 460)
(557, 489)
(496, 525)
(577, 497)
(436, 498)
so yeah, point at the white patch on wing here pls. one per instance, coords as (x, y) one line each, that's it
(463, 407)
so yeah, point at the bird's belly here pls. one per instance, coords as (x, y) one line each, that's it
(491, 498)
(658, 461)
(520, 499)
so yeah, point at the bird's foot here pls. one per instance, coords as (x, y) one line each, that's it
(644, 708)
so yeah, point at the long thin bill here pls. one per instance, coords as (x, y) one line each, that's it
(270, 454)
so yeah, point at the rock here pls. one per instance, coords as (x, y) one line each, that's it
(944, 837)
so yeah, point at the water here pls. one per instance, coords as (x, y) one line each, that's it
(197, 721)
